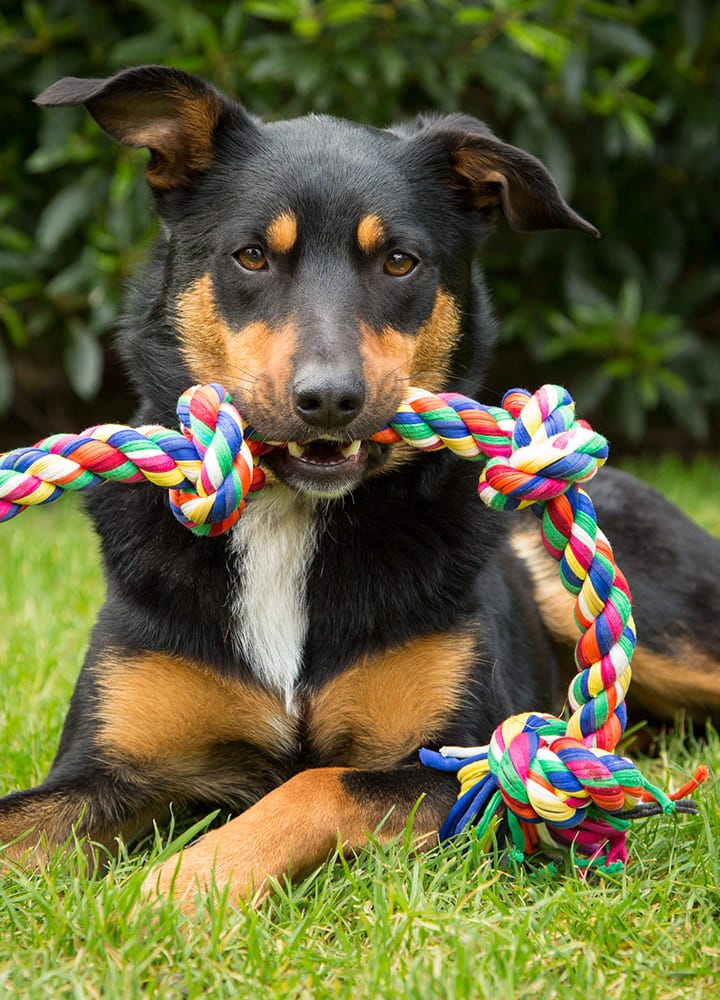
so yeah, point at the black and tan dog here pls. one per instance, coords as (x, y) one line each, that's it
(366, 604)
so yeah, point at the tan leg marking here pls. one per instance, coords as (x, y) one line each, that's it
(662, 683)
(36, 826)
(159, 709)
(556, 605)
(40, 824)
(687, 680)
(383, 707)
(290, 831)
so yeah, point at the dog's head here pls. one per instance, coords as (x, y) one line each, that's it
(316, 268)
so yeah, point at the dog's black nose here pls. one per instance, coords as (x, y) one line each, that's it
(328, 399)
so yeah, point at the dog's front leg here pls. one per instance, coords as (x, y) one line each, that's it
(295, 827)
(36, 823)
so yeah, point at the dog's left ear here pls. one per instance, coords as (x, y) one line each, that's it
(173, 113)
(492, 174)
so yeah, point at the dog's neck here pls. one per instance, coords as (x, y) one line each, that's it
(272, 547)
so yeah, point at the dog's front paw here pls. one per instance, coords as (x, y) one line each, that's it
(216, 863)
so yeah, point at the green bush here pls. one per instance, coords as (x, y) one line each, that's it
(619, 99)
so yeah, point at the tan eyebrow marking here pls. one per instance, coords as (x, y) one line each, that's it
(282, 232)
(370, 233)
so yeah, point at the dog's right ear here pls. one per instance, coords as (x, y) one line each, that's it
(489, 174)
(172, 113)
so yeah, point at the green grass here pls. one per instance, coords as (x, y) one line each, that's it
(694, 486)
(448, 924)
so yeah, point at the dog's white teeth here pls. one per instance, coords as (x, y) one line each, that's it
(295, 449)
(352, 449)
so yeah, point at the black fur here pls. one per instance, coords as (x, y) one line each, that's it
(408, 552)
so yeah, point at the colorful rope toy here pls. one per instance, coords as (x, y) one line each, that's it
(559, 782)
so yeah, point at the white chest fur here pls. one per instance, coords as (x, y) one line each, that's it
(272, 546)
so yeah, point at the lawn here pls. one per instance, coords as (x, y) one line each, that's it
(450, 924)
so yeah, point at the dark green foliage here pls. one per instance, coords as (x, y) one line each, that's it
(619, 99)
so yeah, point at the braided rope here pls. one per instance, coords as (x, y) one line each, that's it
(559, 776)
(557, 781)
(207, 466)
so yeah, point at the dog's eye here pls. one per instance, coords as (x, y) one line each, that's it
(251, 258)
(398, 264)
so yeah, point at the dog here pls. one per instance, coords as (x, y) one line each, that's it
(366, 604)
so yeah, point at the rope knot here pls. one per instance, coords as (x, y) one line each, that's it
(225, 471)
(550, 450)
(546, 776)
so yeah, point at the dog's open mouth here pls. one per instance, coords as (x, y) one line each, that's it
(325, 453)
(320, 466)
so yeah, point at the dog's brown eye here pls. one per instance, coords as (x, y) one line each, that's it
(398, 264)
(251, 258)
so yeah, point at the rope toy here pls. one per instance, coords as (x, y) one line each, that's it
(208, 466)
(558, 782)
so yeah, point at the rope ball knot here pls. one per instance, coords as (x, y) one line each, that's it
(226, 472)
(549, 451)
(546, 776)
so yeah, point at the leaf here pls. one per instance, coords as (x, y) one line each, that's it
(307, 28)
(150, 48)
(694, 16)
(637, 130)
(474, 15)
(13, 323)
(574, 75)
(6, 381)
(392, 65)
(630, 303)
(632, 71)
(14, 240)
(590, 390)
(630, 411)
(68, 210)
(74, 279)
(580, 290)
(616, 37)
(277, 10)
(232, 24)
(558, 158)
(83, 361)
(350, 10)
(539, 42)
(648, 390)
